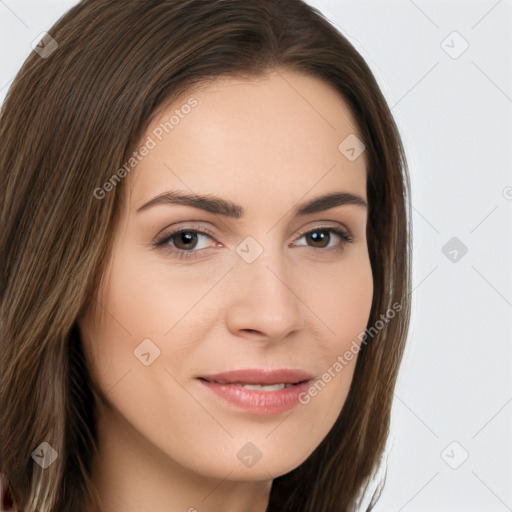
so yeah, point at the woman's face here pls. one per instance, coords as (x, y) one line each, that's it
(255, 291)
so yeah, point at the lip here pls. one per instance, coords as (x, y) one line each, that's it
(226, 385)
(265, 376)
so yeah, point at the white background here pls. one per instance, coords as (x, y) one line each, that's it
(455, 118)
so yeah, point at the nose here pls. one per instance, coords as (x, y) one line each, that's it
(263, 301)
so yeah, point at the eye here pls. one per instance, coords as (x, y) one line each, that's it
(321, 237)
(182, 243)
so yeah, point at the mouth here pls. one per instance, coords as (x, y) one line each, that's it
(260, 391)
(256, 387)
(262, 378)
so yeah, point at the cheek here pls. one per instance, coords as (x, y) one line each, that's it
(342, 302)
(341, 298)
(152, 297)
(126, 313)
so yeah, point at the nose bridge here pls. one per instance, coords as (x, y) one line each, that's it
(265, 299)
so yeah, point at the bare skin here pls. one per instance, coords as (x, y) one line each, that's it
(167, 443)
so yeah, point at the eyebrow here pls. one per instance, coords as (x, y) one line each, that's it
(217, 205)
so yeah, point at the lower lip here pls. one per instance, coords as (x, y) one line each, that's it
(259, 402)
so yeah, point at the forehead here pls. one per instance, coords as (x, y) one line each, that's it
(258, 138)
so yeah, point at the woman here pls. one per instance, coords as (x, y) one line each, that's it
(252, 369)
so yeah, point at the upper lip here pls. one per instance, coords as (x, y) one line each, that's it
(264, 376)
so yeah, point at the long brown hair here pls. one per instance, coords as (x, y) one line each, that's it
(69, 121)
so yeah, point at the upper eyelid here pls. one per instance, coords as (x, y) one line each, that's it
(191, 225)
(339, 227)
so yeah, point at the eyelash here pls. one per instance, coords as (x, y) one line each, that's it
(183, 254)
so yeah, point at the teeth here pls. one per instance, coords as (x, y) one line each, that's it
(270, 387)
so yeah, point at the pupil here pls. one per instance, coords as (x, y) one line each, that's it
(186, 238)
(318, 239)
